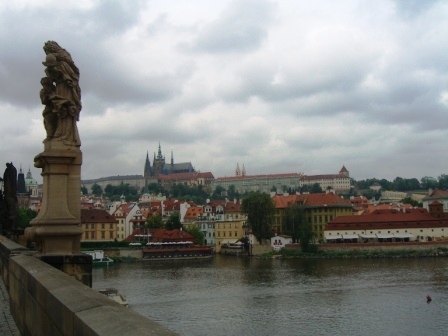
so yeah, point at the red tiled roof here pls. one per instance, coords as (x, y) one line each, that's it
(242, 177)
(233, 207)
(163, 235)
(96, 216)
(384, 219)
(193, 212)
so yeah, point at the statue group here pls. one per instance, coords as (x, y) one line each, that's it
(61, 95)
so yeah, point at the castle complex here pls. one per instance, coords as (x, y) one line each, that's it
(152, 173)
(160, 167)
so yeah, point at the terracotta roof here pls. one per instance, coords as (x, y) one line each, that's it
(163, 235)
(96, 216)
(233, 207)
(387, 219)
(193, 212)
(325, 199)
(243, 177)
(437, 193)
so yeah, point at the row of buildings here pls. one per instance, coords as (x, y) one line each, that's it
(332, 218)
(168, 173)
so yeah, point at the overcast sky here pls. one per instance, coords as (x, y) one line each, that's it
(280, 86)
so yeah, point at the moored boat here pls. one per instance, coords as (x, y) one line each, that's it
(99, 259)
(175, 250)
(113, 294)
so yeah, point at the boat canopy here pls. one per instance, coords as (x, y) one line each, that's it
(367, 236)
(385, 235)
(403, 235)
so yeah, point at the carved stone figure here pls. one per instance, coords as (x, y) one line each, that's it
(10, 196)
(61, 95)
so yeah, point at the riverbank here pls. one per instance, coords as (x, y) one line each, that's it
(351, 253)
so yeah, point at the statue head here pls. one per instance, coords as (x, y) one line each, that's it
(50, 60)
(51, 47)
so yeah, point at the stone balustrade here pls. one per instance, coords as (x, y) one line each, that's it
(46, 301)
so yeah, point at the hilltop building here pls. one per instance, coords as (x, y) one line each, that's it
(151, 173)
(160, 167)
(242, 182)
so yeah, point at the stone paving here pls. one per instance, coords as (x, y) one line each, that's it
(8, 326)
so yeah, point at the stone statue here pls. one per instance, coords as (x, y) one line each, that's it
(61, 95)
(10, 197)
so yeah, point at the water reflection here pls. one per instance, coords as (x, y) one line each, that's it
(227, 295)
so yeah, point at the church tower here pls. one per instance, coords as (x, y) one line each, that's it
(158, 163)
(237, 170)
(147, 171)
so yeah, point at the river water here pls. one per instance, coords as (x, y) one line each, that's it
(248, 296)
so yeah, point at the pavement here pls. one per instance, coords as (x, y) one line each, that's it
(8, 326)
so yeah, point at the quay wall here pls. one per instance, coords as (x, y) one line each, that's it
(379, 247)
(45, 301)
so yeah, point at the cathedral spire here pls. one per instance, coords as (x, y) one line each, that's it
(159, 154)
(237, 170)
(172, 158)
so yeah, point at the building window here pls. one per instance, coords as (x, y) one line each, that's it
(92, 235)
(111, 226)
(102, 225)
(111, 234)
(103, 234)
(91, 226)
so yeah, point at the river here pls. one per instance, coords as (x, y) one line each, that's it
(248, 296)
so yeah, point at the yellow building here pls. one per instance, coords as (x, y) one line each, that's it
(319, 210)
(98, 225)
(233, 226)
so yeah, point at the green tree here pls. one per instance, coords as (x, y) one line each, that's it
(154, 221)
(232, 193)
(97, 190)
(198, 235)
(413, 202)
(273, 189)
(443, 181)
(219, 192)
(292, 221)
(84, 190)
(429, 182)
(306, 236)
(25, 216)
(173, 221)
(260, 210)
(296, 225)
(316, 188)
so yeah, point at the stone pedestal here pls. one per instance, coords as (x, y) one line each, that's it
(57, 228)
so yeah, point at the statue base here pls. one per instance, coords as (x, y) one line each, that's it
(78, 266)
(57, 230)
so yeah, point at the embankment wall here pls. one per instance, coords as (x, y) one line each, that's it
(45, 301)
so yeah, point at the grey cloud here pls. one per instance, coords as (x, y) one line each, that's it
(409, 9)
(241, 27)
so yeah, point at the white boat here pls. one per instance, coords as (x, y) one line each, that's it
(99, 259)
(113, 294)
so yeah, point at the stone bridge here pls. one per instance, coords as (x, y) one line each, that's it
(45, 301)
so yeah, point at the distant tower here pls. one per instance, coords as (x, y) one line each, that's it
(237, 170)
(147, 171)
(158, 163)
(23, 196)
(344, 172)
(172, 161)
(21, 188)
(243, 172)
